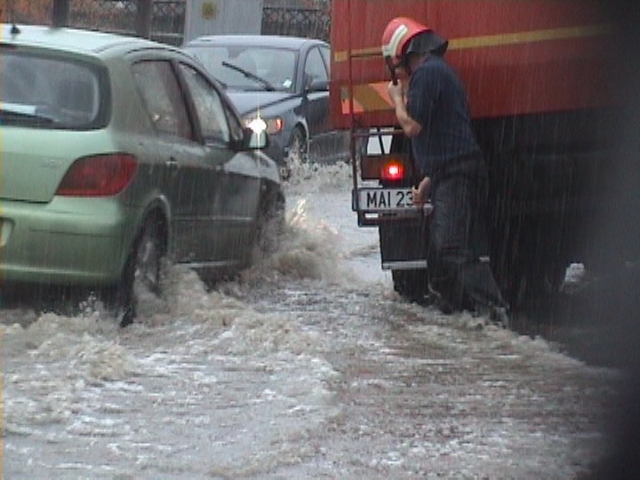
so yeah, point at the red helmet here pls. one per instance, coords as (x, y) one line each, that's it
(399, 34)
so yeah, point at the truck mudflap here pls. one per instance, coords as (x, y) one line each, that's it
(404, 243)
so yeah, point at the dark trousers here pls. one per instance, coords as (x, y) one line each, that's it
(458, 239)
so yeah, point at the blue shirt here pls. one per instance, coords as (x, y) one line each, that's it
(437, 101)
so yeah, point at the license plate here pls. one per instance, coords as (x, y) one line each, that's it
(384, 199)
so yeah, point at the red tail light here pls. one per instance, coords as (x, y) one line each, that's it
(392, 171)
(98, 176)
(387, 167)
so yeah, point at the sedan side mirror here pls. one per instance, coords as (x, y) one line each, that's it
(318, 85)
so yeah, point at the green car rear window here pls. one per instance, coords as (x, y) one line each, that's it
(46, 92)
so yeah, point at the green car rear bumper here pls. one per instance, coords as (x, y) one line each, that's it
(69, 241)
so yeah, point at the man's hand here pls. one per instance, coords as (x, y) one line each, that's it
(396, 93)
(419, 195)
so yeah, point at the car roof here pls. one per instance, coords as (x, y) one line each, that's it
(69, 39)
(275, 41)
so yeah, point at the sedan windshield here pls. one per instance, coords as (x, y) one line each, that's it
(266, 67)
(41, 92)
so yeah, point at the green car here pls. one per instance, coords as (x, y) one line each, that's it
(118, 155)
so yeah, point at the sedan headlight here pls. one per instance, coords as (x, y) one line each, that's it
(257, 125)
(273, 125)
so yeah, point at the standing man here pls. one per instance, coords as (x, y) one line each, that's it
(435, 116)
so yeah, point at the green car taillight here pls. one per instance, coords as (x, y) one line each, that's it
(98, 175)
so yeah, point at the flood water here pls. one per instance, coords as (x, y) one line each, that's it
(307, 366)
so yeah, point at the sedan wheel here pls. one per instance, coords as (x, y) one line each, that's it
(271, 226)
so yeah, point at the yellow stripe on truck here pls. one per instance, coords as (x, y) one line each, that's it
(368, 97)
(528, 37)
(499, 40)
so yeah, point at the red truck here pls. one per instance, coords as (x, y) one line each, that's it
(540, 88)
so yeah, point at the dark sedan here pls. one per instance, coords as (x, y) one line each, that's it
(284, 81)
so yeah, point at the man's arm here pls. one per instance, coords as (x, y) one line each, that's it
(410, 127)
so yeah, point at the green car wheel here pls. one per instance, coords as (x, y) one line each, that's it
(144, 269)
